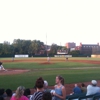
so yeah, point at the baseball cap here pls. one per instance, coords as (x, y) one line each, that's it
(45, 83)
(94, 82)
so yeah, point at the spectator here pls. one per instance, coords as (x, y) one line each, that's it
(93, 88)
(27, 93)
(46, 86)
(9, 94)
(47, 96)
(19, 94)
(76, 90)
(40, 89)
(2, 91)
(83, 88)
(60, 91)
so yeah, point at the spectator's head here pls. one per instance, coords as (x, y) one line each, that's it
(94, 82)
(39, 83)
(45, 84)
(59, 79)
(47, 96)
(2, 91)
(76, 85)
(19, 91)
(82, 85)
(9, 92)
(27, 92)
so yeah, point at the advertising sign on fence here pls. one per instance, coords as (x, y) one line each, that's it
(21, 56)
(63, 56)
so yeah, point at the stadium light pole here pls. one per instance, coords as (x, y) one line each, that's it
(46, 44)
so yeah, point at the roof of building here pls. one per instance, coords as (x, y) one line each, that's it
(89, 44)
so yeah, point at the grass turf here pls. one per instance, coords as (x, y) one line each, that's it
(49, 72)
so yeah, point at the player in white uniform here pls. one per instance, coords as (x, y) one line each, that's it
(48, 59)
(1, 66)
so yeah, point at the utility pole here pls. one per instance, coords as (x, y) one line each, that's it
(46, 45)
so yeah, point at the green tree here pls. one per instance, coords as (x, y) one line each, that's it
(17, 44)
(6, 48)
(75, 53)
(21, 46)
(36, 46)
(53, 49)
(1, 48)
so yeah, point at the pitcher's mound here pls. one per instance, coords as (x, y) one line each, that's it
(46, 63)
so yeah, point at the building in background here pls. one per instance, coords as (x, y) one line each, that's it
(72, 49)
(88, 49)
(70, 45)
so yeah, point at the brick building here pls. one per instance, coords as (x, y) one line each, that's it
(88, 49)
(70, 45)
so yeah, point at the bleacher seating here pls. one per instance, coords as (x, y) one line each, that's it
(75, 96)
(96, 97)
(86, 96)
(82, 96)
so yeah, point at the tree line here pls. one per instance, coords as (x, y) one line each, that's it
(30, 47)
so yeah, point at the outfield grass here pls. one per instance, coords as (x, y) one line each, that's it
(72, 72)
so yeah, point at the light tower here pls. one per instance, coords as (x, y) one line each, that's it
(46, 45)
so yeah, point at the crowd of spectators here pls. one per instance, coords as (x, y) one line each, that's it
(42, 92)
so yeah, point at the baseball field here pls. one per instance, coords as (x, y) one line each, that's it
(25, 71)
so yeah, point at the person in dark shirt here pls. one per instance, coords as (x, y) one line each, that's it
(76, 90)
(27, 93)
(47, 96)
(2, 91)
(9, 94)
(39, 89)
(66, 58)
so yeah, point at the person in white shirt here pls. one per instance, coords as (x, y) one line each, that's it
(45, 84)
(46, 89)
(93, 88)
